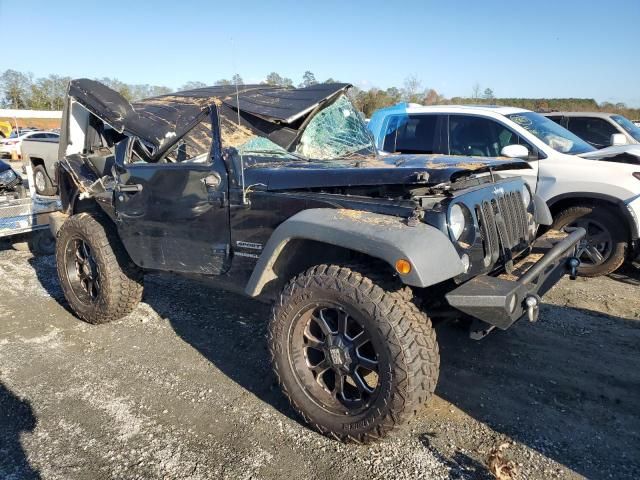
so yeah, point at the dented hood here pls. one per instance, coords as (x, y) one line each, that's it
(160, 121)
(385, 170)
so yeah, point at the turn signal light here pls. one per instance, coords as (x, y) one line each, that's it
(403, 266)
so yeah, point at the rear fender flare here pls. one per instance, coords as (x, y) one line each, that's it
(431, 253)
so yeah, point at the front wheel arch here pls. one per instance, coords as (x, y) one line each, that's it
(563, 202)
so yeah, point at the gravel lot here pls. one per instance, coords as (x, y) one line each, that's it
(182, 388)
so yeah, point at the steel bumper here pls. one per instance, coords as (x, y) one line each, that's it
(500, 301)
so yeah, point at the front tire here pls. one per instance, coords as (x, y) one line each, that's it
(604, 248)
(356, 359)
(98, 278)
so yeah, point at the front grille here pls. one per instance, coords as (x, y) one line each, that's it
(503, 226)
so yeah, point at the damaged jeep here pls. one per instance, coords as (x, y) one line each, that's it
(280, 194)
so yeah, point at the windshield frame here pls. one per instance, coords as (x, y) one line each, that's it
(578, 145)
(627, 125)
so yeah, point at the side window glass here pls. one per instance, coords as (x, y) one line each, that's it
(596, 131)
(38, 135)
(476, 136)
(194, 147)
(415, 134)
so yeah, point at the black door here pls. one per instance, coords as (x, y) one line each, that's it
(172, 215)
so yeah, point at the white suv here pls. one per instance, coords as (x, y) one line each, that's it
(583, 186)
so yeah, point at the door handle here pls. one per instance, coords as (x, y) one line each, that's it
(121, 187)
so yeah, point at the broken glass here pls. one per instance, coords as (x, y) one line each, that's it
(336, 132)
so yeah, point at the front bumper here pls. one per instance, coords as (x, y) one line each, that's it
(501, 301)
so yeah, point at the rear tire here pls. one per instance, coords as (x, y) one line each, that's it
(354, 358)
(606, 238)
(98, 278)
(42, 182)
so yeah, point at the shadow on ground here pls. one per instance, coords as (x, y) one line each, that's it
(16, 418)
(628, 273)
(566, 387)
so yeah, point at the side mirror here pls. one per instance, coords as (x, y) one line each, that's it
(515, 151)
(618, 139)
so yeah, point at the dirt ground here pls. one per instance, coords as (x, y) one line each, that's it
(182, 388)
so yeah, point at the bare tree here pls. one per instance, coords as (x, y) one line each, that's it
(412, 89)
(475, 91)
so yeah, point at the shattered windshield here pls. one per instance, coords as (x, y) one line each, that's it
(336, 132)
(554, 135)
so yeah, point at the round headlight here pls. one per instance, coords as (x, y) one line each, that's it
(526, 196)
(457, 221)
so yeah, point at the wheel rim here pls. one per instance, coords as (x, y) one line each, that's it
(41, 184)
(334, 359)
(596, 247)
(82, 270)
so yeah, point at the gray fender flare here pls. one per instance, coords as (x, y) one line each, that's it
(431, 253)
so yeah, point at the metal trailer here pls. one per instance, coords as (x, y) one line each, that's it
(25, 221)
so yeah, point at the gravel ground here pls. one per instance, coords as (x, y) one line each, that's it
(182, 388)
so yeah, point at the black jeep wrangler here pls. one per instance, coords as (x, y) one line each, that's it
(280, 194)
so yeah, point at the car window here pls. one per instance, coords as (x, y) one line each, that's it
(37, 135)
(596, 131)
(194, 147)
(412, 134)
(631, 128)
(479, 136)
(52, 135)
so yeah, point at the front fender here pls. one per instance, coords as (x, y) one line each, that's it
(431, 253)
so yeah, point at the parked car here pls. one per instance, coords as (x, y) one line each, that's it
(40, 150)
(280, 194)
(14, 142)
(24, 216)
(583, 186)
(599, 129)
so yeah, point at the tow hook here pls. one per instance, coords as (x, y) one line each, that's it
(573, 263)
(533, 307)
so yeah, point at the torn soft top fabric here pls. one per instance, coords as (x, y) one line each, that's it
(160, 121)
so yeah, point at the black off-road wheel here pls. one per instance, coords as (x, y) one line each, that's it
(604, 249)
(355, 358)
(42, 181)
(98, 278)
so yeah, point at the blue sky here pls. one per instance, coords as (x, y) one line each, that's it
(519, 49)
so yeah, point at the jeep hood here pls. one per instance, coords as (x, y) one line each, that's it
(618, 153)
(385, 170)
(162, 121)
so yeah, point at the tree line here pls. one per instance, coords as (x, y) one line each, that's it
(21, 90)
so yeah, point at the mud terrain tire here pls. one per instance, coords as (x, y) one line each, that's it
(406, 352)
(89, 254)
